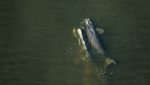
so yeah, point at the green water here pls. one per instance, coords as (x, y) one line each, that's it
(37, 46)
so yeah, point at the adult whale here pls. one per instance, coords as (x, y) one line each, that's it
(89, 41)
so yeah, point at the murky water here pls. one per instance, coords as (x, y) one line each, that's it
(38, 48)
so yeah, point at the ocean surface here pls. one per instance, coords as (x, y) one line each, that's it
(37, 46)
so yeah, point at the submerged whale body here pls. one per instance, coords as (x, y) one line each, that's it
(88, 40)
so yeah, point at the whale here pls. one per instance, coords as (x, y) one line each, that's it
(88, 39)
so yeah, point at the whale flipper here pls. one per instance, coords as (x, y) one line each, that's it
(100, 30)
